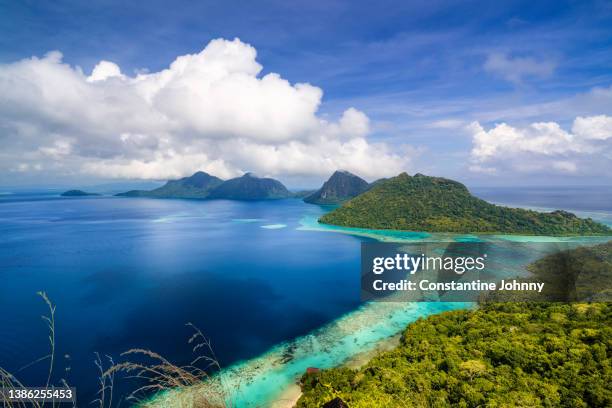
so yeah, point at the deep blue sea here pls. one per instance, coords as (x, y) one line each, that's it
(130, 272)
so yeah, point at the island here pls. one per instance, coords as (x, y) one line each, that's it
(250, 187)
(501, 354)
(436, 204)
(534, 354)
(77, 193)
(202, 185)
(340, 187)
(197, 185)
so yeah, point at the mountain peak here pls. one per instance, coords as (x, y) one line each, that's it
(341, 186)
(250, 187)
(197, 185)
(343, 173)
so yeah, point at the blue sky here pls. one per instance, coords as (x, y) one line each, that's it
(420, 71)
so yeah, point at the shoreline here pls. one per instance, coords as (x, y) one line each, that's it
(292, 393)
(358, 336)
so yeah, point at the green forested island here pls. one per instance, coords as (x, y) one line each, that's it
(77, 193)
(503, 354)
(500, 355)
(203, 185)
(250, 187)
(435, 204)
(197, 185)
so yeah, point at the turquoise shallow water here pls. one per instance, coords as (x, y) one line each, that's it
(261, 381)
(258, 382)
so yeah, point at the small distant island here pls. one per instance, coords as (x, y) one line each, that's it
(250, 187)
(77, 193)
(203, 185)
(197, 185)
(436, 204)
(340, 187)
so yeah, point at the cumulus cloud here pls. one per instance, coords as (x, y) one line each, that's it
(543, 147)
(593, 127)
(516, 69)
(211, 111)
(104, 70)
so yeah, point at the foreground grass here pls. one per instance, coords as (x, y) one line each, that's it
(9, 381)
(165, 380)
(153, 375)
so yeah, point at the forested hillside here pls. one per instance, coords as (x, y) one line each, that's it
(435, 204)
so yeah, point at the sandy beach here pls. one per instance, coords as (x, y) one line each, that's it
(289, 397)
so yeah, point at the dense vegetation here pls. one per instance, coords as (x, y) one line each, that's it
(422, 203)
(340, 187)
(500, 355)
(583, 274)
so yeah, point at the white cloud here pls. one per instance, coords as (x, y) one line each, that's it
(104, 70)
(593, 127)
(543, 147)
(516, 69)
(354, 122)
(450, 124)
(211, 111)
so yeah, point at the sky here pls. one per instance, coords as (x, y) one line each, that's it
(488, 93)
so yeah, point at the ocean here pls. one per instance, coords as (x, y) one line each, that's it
(273, 291)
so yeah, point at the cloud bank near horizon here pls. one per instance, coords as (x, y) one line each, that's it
(543, 147)
(210, 111)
